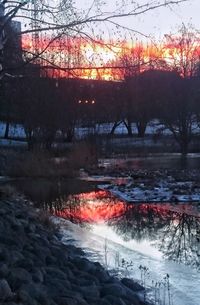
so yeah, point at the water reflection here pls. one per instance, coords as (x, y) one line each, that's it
(93, 207)
(51, 193)
(172, 229)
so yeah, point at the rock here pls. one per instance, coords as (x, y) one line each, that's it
(2, 212)
(24, 296)
(42, 271)
(57, 252)
(5, 290)
(98, 265)
(4, 255)
(87, 276)
(17, 227)
(52, 260)
(36, 292)
(23, 221)
(70, 266)
(102, 275)
(28, 248)
(38, 276)
(83, 264)
(8, 241)
(15, 256)
(30, 228)
(113, 289)
(55, 288)
(66, 301)
(132, 297)
(51, 302)
(92, 300)
(25, 263)
(11, 303)
(113, 280)
(28, 253)
(3, 270)
(56, 273)
(75, 300)
(89, 291)
(113, 300)
(118, 290)
(74, 251)
(102, 302)
(45, 242)
(83, 282)
(131, 284)
(41, 252)
(68, 271)
(82, 301)
(19, 276)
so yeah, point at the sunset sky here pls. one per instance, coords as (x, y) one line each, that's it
(81, 52)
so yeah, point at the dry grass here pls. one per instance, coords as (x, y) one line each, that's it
(44, 164)
(28, 165)
(35, 164)
(46, 221)
(82, 155)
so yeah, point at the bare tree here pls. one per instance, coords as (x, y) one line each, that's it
(62, 18)
(180, 115)
(183, 51)
(46, 22)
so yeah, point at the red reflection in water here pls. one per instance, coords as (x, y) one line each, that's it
(93, 207)
(100, 206)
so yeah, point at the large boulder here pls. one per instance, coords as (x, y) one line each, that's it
(132, 285)
(5, 291)
(19, 276)
(113, 289)
(113, 300)
(120, 291)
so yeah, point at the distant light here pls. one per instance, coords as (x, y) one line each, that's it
(93, 102)
(86, 102)
(79, 101)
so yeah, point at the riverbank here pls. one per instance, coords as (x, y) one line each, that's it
(37, 269)
(149, 186)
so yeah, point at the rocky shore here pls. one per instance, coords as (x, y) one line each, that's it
(37, 269)
(152, 185)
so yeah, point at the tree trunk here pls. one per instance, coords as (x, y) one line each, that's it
(116, 124)
(30, 143)
(29, 138)
(128, 127)
(184, 147)
(141, 127)
(7, 130)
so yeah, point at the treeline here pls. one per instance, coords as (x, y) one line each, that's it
(46, 106)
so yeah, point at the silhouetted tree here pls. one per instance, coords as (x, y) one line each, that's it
(38, 111)
(178, 112)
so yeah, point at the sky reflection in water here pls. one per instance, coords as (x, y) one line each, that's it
(159, 230)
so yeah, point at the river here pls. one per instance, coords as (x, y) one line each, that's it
(156, 244)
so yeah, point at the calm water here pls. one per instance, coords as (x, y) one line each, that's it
(156, 161)
(165, 238)
(171, 231)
